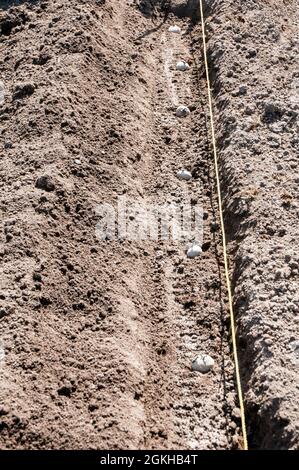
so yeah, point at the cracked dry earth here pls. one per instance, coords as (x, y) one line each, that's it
(98, 337)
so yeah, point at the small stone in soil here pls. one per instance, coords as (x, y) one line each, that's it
(37, 277)
(203, 363)
(294, 345)
(242, 90)
(45, 182)
(182, 111)
(23, 90)
(184, 175)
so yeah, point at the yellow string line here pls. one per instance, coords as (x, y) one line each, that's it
(226, 265)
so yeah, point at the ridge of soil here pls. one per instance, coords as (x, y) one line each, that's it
(254, 55)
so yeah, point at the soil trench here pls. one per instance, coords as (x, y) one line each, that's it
(98, 334)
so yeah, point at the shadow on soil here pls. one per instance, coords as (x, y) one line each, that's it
(6, 4)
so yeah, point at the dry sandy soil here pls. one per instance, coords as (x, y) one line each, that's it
(98, 336)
